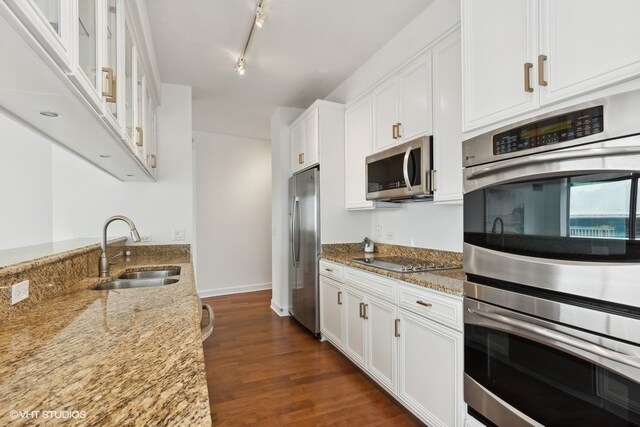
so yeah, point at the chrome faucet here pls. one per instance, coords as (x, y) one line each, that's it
(494, 229)
(103, 265)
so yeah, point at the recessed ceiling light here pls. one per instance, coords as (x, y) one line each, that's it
(50, 114)
(105, 156)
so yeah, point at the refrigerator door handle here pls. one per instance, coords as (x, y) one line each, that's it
(292, 230)
(295, 242)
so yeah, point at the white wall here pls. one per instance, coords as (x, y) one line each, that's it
(84, 197)
(26, 216)
(420, 224)
(233, 213)
(280, 172)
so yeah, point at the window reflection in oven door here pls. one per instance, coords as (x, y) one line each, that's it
(521, 370)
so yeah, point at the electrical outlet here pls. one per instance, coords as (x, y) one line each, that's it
(178, 235)
(145, 238)
(19, 292)
(390, 236)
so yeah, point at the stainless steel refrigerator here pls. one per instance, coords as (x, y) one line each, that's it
(304, 247)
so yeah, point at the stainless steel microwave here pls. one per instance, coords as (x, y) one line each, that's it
(404, 172)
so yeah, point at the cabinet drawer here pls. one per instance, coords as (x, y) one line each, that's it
(444, 309)
(332, 270)
(371, 283)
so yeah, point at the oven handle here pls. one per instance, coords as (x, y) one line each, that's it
(557, 155)
(563, 338)
(405, 168)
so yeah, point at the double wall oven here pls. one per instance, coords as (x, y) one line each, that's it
(552, 257)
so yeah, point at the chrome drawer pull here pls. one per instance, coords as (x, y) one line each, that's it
(397, 328)
(426, 304)
(330, 270)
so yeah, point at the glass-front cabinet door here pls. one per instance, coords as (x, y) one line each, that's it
(112, 50)
(49, 21)
(129, 78)
(140, 110)
(87, 51)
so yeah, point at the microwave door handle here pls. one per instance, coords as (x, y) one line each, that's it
(548, 337)
(554, 156)
(405, 168)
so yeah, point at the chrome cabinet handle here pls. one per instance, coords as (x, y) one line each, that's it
(527, 77)
(152, 161)
(393, 132)
(208, 330)
(364, 311)
(339, 297)
(398, 136)
(301, 158)
(548, 335)
(405, 168)
(541, 80)
(426, 304)
(396, 332)
(361, 309)
(330, 270)
(110, 93)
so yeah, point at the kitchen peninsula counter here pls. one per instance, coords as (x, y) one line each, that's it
(118, 357)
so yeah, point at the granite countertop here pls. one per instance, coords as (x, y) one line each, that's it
(130, 357)
(447, 281)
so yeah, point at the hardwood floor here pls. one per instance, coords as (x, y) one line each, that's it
(267, 370)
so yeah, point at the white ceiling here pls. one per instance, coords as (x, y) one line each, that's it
(304, 51)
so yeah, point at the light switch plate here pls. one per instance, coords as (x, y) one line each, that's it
(178, 235)
(19, 292)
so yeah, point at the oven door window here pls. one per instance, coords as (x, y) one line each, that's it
(550, 386)
(388, 173)
(587, 217)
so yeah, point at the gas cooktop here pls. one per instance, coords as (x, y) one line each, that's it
(404, 265)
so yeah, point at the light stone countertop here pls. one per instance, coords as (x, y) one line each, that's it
(447, 281)
(122, 357)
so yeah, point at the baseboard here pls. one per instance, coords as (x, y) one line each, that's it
(280, 311)
(204, 293)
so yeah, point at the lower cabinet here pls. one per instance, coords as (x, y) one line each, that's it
(407, 338)
(430, 365)
(331, 310)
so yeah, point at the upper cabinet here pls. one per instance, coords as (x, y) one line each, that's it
(542, 52)
(358, 131)
(84, 63)
(305, 140)
(423, 97)
(447, 120)
(402, 105)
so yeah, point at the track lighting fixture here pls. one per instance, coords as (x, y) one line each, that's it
(257, 21)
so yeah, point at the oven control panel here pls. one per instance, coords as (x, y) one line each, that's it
(565, 127)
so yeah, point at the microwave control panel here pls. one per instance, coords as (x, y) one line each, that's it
(565, 127)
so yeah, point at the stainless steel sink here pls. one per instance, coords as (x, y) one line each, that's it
(151, 274)
(134, 283)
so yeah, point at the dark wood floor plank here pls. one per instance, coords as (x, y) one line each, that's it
(267, 370)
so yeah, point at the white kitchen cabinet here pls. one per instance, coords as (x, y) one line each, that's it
(541, 52)
(407, 338)
(355, 315)
(49, 22)
(331, 310)
(385, 114)
(382, 343)
(68, 56)
(430, 370)
(402, 105)
(87, 58)
(447, 120)
(358, 130)
(588, 44)
(305, 140)
(498, 39)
